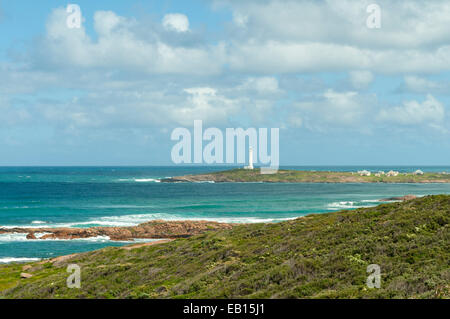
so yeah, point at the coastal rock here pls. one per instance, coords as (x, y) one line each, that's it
(25, 275)
(26, 267)
(402, 198)
(151, 230)
(31, 236)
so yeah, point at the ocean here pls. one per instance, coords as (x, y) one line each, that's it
(126, 196)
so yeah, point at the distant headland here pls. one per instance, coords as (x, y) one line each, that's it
(296, 176)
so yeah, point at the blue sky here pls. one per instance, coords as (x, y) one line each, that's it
(111, 92)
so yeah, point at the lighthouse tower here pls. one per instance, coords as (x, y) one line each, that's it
(250, 159)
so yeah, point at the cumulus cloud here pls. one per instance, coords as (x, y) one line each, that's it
(309, 36)
(271, 37)
(409, 25)
(430, 111)
(121, 47)
(106, 21)
(176, 22)
(206, 104)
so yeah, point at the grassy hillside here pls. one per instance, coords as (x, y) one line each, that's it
(320, 256)
(295, 176)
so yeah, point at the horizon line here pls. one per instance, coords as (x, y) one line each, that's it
(235, 166)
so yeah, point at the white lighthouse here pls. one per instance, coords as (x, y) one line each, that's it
(250, 159)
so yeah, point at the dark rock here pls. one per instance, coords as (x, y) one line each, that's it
(31, 236)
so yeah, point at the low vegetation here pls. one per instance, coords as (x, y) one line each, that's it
(318, 256)
(295, 176)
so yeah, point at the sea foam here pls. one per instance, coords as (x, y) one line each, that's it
(6, 260)
(350, 204)
(136, 219)
(140, 180)
(21, 237)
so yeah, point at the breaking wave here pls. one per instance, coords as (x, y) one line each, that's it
(6, 260)
(136, 219)
(132, 220)
(140, 180)
(352, 204)
(38, 222)
(22, 237)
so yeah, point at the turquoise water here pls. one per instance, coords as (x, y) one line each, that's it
(118, 196)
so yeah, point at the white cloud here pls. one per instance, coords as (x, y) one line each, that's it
(360, 79)
(408, 25)
(278, 37)
(292, 57)
(204, 103)
(176, 22)
(121, 47)
(106, 21)
(278, 57)
(240, 19)
(314, 36)
(430, 111)
(143, 107)
(418, 84)
(334, 109)
(262, 85)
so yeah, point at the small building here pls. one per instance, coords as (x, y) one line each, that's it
(381, 172)
(392, 173)
(364, 173)
(418, 172)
